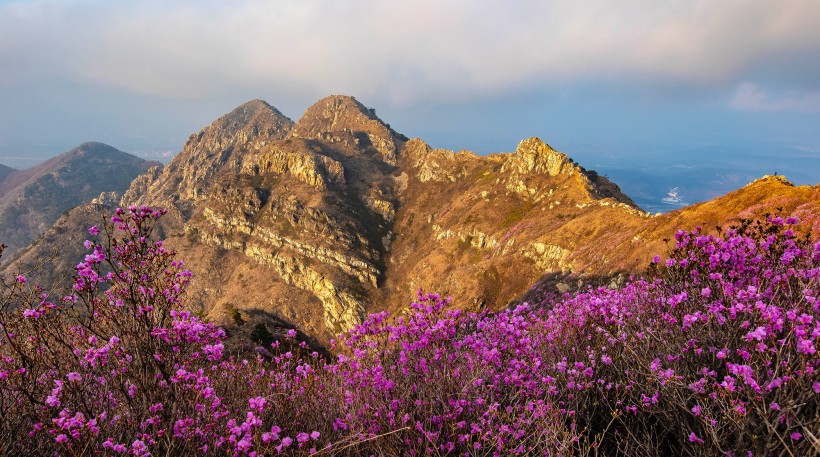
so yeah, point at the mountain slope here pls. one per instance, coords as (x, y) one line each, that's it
(318, 222)
(4, 172)
(300, 214)
(484, 228)
(628, 246)
(31, 200)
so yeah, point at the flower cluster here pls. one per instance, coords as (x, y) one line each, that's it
(715, 352)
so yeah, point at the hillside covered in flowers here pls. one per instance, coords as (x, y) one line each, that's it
(713, 352)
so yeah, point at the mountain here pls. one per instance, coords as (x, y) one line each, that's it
(4, 172)
(31, 200)
(628, 248)
(318, 222)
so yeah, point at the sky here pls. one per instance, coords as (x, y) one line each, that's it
(698, 95)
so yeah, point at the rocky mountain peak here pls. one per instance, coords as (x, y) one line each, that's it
(248, 127)
(256, 113)
(93, 146)
(771, 180)
(337, 117)
(335, 113)
(253, 120)
(535, 156)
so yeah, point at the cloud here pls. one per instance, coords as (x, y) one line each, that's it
(400, 51)
(752, 97)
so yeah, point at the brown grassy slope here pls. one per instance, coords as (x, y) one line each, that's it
(625, 245)
(482, 229)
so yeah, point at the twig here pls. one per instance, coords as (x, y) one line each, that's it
(362, 441)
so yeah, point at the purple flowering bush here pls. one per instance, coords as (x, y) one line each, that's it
(714, 352)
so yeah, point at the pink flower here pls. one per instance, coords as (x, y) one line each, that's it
(694, 438)
(796, 436)
(213, 351)
(245, 443)
(741, 409)
(806, 347)
(139, 448)
(53, 401)
(21, 279)
(74, 377)
(758, 334)
(61, 438)
(257, 403)
(94, 230)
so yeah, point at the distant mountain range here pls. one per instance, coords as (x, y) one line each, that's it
(31, 200)
(320, 221)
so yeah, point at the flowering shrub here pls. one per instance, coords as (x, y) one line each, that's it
(714, 353)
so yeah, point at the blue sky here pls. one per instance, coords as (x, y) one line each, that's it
(700, 95)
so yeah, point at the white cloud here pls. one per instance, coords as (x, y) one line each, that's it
(400, 51)
(752, 97)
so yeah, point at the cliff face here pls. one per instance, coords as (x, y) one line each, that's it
(31, 200)
(321, 221)
(302, 211)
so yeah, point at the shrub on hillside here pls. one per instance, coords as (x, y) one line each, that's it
(714, 353)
